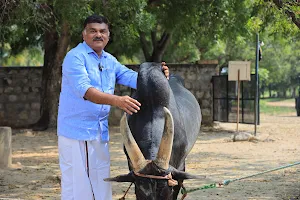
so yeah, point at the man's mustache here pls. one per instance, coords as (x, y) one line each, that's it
(97, 39)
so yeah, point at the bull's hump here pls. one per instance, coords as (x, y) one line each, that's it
(152, 87)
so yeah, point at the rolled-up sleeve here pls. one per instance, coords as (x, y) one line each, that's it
(125, 76)
(75, 73)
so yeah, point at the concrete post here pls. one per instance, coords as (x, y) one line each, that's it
(5, 147)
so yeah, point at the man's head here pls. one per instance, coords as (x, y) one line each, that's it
(96, 32)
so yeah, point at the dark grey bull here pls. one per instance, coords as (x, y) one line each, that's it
(159, 137)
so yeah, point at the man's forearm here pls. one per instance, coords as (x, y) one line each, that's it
(98, 97)
(125, 103)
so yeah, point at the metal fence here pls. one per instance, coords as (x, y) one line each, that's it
(225, 100)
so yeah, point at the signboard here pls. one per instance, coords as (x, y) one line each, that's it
(239, 71)
(241, 67)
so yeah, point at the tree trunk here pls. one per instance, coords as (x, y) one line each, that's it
(54, 85)
(145, 46)
(159, 47)
(55, 49)
(262, 92)
(270, 91)
(294, 92)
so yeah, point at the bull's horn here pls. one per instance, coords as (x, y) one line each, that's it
(136, 157)
(165, 148)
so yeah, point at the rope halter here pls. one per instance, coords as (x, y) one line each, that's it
(171, 181)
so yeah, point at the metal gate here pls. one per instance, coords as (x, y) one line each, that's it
(225, 100)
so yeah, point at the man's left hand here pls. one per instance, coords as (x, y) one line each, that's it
(165, 69)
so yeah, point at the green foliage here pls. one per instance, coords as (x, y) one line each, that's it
(264, 76)
(254, 24)
(21, 25)
(27, 20)
(281, 57)
(218, 30)
(182, 51)
(124, 60)
(28, 57)
(276, 20)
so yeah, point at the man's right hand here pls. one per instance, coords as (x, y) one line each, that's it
(128, 104)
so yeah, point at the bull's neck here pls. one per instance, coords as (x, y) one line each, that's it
(154, 94)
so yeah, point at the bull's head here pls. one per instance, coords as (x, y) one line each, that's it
(154, 180)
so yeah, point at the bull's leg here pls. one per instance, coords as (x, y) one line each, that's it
(177, 189)
(180, 184)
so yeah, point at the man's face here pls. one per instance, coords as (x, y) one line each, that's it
(96, 36)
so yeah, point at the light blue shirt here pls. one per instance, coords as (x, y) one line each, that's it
(82, 69)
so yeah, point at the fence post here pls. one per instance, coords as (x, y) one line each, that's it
(5, 147)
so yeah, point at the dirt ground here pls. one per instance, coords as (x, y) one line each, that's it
(35, 171)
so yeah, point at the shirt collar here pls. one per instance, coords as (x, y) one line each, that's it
(90, 50)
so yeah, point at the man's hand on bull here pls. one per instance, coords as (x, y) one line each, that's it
(165, 69)
(128, 104)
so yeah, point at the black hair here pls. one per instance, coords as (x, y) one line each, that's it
(95, 19)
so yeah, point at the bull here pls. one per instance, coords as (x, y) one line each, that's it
(159, 137)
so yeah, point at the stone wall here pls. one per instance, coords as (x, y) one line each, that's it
(197, 79)
(20, 90)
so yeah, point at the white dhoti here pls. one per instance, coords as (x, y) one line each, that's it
(76, 184)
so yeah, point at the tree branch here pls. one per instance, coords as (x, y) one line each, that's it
(153, 38)
(6, 8)
(292, 15)
(165, 38)
(160, 47)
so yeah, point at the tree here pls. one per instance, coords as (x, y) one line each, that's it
(48, 23)
(149, 25)
(153, 28)
(291, 9)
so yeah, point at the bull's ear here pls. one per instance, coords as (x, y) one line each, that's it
(180, 175)
(121, 178)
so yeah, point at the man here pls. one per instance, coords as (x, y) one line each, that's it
(89, 75)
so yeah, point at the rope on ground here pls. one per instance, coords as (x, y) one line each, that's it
(184, 191)
(226, 182)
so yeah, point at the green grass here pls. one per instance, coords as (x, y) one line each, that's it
(291, 100)
(276, 110)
